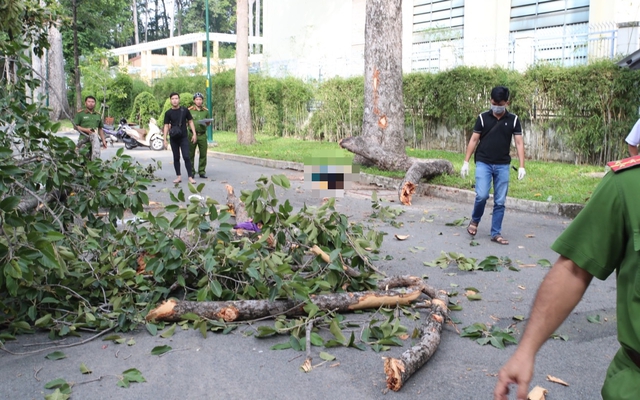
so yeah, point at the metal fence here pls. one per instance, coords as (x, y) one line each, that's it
(565, 46)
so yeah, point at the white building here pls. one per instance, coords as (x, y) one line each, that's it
(320, 39)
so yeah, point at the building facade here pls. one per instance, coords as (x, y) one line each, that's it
(319, 39)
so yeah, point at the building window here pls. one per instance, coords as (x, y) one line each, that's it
(560, 29)
(435, 24)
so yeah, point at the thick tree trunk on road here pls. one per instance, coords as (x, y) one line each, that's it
(416, 168)
(399, 370)
(388, 295)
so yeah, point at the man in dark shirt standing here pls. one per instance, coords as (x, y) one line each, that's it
(179, 116)
(491, 142)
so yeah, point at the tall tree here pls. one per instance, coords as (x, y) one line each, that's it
(76, 56)
(57, 85)
(243, 110)
(136, 28)
(382, 141)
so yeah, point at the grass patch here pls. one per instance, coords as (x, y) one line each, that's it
(274, 148)
(545, 181)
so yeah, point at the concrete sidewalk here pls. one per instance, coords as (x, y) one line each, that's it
(240, 366)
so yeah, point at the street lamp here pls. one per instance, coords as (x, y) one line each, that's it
(210, 127)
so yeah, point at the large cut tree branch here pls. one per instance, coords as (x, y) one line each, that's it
(393, 291)
(416, 168)
(399, 370)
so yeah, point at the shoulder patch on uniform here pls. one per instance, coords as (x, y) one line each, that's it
(192, 107)
(80, 110)
(625, 163)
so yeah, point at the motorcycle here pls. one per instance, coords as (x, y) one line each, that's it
(114, 135)
(152, 138)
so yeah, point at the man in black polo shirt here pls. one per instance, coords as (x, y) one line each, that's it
(491, 141)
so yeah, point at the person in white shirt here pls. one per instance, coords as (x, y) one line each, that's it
(633, 139)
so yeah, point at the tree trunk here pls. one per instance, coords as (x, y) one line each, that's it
(38, 65)
(383, 122)
(243, 110)
(56, 83)
(166, 19)
(402, 290)
(136, 28)
(382, 141)
(399, 370)
(76, 58)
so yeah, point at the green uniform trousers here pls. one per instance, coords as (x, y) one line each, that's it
(201, 145)
(623, 379)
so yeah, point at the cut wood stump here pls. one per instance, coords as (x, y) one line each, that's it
(236, 206)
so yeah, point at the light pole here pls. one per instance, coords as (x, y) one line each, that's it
(210, 127)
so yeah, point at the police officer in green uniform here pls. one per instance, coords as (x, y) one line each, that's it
(88, 121)
(603, 238)
(199, 112)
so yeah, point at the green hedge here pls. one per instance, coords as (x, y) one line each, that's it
(593, 107)
(340, 109)
(590, 108)
(145, 107)
(278, 106)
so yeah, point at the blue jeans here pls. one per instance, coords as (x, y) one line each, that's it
(485, 173)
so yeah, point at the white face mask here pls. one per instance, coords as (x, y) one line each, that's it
(498, 109)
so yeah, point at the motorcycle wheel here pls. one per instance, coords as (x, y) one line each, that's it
(157, 144)
(128, 146)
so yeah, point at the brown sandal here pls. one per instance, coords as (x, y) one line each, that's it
(472, 229)
(499, 239)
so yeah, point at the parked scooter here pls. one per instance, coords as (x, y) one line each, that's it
(114, 135)
(152, 138)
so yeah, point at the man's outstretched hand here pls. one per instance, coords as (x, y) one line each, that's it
(518, 370)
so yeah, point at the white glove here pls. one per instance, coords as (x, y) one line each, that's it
(521, 173)
(464, 171)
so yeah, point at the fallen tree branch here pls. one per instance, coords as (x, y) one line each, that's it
(241, 310)
(416, 168)
(326, 258)
(399, 370)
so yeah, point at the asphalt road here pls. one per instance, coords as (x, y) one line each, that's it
(239, 366)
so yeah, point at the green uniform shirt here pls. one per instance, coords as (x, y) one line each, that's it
(197, 116)
(605, 237)
(89, 120)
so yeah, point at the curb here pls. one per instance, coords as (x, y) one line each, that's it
(568, 210)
